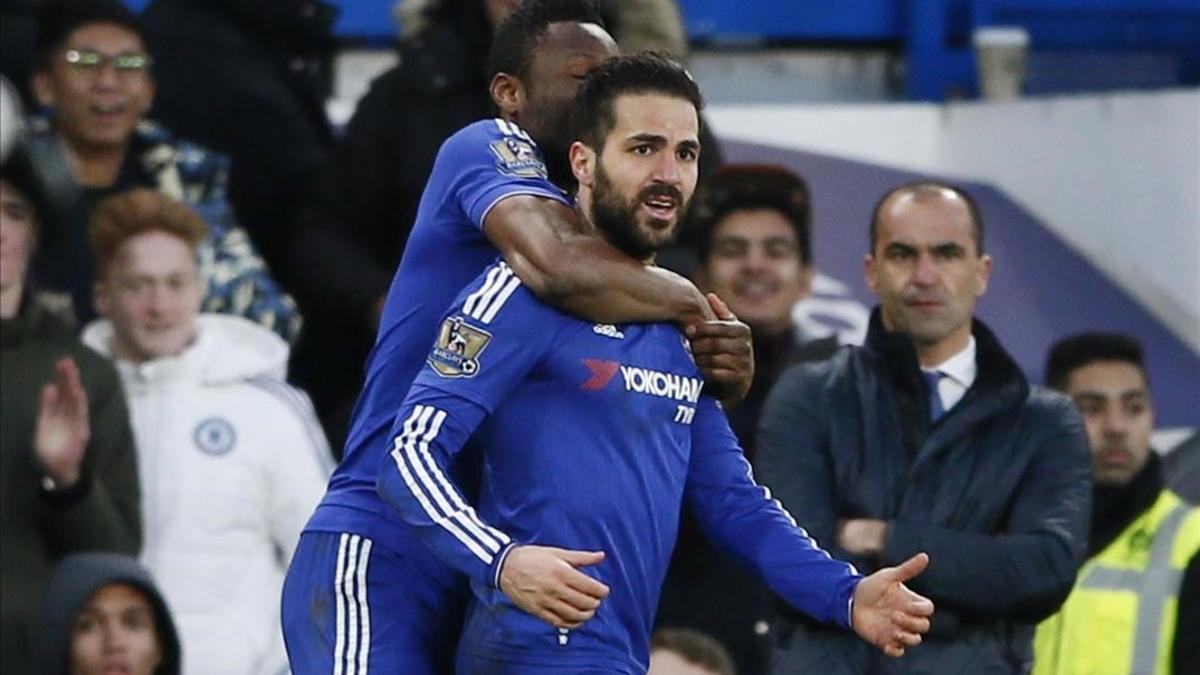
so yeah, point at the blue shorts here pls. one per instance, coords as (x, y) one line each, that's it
(351, 607)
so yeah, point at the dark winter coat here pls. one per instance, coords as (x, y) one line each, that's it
(997, 492)
(100, 513)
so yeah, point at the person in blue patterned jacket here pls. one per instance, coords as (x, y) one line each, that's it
(93, 75)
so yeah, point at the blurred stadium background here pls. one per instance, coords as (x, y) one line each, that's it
(1090, 180)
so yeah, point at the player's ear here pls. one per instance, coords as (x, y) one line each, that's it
(583, 163)
(508, 93)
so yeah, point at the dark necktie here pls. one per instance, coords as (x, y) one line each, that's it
(936, 410)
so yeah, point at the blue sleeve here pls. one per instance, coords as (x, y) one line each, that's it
(742, 518)
(496, 333)
(489, 161)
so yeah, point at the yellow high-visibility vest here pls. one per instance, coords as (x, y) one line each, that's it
(1120, 617)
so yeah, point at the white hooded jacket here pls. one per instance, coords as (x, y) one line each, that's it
(232, 462)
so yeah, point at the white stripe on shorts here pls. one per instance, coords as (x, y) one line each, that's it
(352, 645)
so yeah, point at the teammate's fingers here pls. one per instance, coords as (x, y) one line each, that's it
(721, 345)
(719, 329)
(893, 651)
(908, 639)
(720, 308)
(713, 362)
(721, 359)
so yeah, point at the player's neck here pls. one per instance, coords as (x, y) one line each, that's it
(583, 207)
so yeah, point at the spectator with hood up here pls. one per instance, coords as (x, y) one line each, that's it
(102, 614)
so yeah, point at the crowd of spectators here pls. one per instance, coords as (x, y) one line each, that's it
(159, 448)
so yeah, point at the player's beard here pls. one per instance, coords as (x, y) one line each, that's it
(616, 217)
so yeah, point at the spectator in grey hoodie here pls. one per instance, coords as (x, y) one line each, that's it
(102, 611)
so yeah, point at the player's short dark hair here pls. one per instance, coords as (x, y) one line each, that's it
(926, 189)
(1075, 352)
(695, 648)
(646, 73)
(518, 35)
(57, 19)
(748, 187)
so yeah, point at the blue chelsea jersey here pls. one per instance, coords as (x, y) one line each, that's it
(475, 169)
(593, 436)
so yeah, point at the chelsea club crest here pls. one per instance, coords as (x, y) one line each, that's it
(215, 436)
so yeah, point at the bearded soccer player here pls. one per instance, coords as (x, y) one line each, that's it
(363, 594)
(594, 434)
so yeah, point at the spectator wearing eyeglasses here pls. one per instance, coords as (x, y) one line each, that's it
(93, 74)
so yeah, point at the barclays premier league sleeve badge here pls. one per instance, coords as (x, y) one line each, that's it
(517, 157)
(456, 352)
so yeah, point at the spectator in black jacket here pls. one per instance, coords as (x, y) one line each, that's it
(929, 438)
(68, 469)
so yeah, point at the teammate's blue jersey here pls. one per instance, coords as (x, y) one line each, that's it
(593, 436)
(475, 169)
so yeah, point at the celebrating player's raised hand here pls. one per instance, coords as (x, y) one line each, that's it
(544, 581)
(889, 615)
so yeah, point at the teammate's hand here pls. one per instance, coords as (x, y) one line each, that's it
(63, 427)
(724, 353)
(889, 615)
(544, 581)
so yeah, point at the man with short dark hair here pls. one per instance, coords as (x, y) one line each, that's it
(1137, 601)
(594, 436)
(489, 193)
(929, 438)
